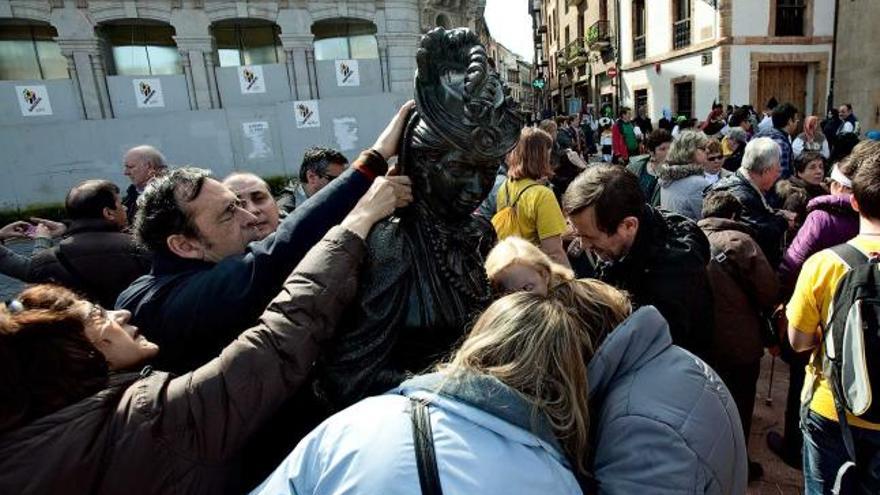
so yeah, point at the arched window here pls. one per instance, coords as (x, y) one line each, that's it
(141, 48)
(344, 39)
(247, 42)
(28, 51)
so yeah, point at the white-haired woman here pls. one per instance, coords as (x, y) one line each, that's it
(681, 178)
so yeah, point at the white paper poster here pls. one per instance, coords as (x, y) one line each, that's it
(251, 79)
(148, 93)
(346, 131)
(347, 73)
(306, 113)
(33, 100)
(257, 134)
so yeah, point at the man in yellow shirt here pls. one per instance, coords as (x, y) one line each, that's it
(824, 450)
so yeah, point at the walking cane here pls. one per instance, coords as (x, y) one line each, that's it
(769, 400)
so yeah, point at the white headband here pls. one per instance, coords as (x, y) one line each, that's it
(837, 176)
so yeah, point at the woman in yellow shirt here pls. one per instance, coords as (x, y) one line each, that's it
(534, 211)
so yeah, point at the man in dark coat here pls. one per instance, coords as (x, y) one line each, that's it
(95, 257)
(785, 123)
(659, 258)
(759, 171)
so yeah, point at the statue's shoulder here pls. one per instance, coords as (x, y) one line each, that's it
(388, 243)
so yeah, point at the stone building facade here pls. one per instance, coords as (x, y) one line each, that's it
(88, 64)
(857, 64)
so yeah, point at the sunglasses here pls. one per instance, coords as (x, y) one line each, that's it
(714, 158)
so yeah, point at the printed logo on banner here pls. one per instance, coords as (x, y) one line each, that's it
(347, 73)
(148, 93)
(33, 100)
(306, 113)
(251, 79)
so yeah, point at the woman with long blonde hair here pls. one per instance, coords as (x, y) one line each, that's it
(507, 413)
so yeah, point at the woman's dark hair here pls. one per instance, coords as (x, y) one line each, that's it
(46, 360)
(805, 159)
(721, 204)
(657, 137)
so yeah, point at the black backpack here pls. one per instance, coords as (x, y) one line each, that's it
(852, 343)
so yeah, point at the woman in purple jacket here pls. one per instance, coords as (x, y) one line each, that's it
(830, 221)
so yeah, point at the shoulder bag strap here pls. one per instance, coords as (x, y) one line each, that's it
(423, 440)
(515, 201)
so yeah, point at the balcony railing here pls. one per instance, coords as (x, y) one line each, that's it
(681, 36)
(599, 35)
(639, 47)
(575, 53)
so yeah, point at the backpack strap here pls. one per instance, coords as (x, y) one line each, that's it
(423, 441)
(850, 255)
(515, 200)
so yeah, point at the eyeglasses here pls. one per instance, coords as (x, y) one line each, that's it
(714, 158)
(329, 177)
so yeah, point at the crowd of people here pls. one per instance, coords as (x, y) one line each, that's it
(170, 337)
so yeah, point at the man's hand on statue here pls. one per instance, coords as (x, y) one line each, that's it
(384, 196)
(388, 141)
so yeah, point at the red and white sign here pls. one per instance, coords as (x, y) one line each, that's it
(612, 72)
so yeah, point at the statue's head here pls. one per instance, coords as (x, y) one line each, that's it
(463, 126)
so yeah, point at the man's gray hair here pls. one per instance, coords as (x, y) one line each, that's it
(761, 154)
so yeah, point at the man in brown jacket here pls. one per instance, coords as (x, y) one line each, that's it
(744, 285)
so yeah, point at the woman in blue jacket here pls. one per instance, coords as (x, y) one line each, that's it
(508, 412)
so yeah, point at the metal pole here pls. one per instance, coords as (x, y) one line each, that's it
(769, 400)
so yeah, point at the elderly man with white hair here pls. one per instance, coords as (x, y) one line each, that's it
(758, 173)
(140, 164)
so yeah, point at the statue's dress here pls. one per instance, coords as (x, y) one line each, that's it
(420, 288)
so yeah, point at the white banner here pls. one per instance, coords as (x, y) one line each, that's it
(306, 113)
(33, 100)
(250, 77)
(148, 93)
(347, 73)
(345, 129)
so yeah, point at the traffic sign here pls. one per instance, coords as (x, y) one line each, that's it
(612, 72)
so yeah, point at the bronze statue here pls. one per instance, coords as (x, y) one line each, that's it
(424, 279)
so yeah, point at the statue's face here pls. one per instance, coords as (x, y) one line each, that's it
(451, 183)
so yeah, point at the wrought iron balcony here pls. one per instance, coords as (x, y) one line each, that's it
(599, 35)
(639, 47)
(681, 36)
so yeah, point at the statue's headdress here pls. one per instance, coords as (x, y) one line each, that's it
(460, 96)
